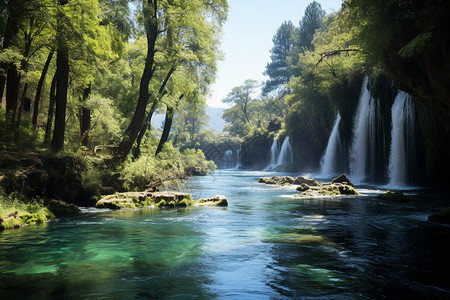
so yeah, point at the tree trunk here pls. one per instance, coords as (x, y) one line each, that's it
(12, 93)
(167, 126)
(15, 10)
(151, 19)
(37, 98)
(148, 121)
(51, 108)
(62, 78)
(85, 118)
(166, 130)
(22, 101)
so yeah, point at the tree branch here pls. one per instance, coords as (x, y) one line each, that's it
(334, 53)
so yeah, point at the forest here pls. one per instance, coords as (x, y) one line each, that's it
(362, 91)
(82, 80)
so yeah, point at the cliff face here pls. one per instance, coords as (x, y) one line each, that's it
(427, 77)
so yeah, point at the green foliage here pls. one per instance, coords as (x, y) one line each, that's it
(31, 211)
(277, 69)
(168, 168)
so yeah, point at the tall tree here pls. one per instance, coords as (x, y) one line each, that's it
(310, 22)
(150, 13)
(62, 80)
(277, 69)
(37, 98)
(184, 34)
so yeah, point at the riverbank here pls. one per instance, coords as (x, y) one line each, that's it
(32, 181)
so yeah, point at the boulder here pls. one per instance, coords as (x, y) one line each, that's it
(311, 182)
(442, 216)
(393, 196)
(343, 179)
(325, 190)
(58, 207)
(214, 201)
(303, 187)
(276, 180)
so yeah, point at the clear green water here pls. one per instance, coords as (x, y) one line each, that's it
(266, 244)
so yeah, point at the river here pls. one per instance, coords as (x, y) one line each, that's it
(264, 245)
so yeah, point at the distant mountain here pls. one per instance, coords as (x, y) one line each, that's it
(216, 122)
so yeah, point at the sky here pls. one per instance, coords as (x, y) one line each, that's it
(247, 40)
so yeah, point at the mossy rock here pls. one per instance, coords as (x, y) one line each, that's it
(214, 201)
(393, 197)
(303, 187)
(61, 208)
(285, 180)
(300, 179)
(16, 220)
(343, 179)
(442, 216)
(347, 189)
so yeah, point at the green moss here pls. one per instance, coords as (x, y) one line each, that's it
(161, 203)
(185, 202)
(393, 196)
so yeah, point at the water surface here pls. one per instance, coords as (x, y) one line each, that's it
(266, 244)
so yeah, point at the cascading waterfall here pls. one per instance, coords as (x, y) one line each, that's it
(362, 151)
(228, 159)
(329, 162)
(402, 146)
(286, 155)
(274, 153)
(238, 155)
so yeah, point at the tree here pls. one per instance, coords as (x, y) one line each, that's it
(277, 69)
(310, 22)
(241, 97)
(184, 34)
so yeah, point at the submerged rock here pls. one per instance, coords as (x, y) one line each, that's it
(311, 182)
(218, 200)
(393, 196)
(442, 216)
(343, 179)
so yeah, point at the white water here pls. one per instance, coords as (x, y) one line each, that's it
(362, 151)
(329, 161)
(238, 154)
(402, 140)
(274, 153)
(286, 155)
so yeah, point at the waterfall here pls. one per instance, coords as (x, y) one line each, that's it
(274, 153)
(402, 145)
(286, 155)
(228, 158)
(238, 156)
(362, 151)
(329, 161)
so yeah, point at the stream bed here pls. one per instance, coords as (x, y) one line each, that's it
(265, 245)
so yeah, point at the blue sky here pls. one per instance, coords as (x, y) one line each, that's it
(247, 39)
